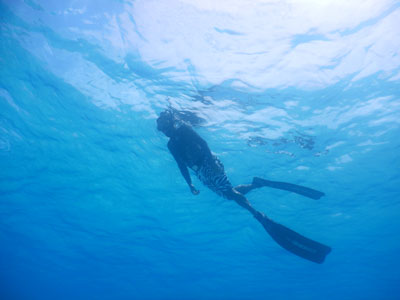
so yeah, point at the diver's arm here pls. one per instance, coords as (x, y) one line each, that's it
(183, 168)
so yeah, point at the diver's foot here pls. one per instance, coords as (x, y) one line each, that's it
(259, 216)
(258, 182)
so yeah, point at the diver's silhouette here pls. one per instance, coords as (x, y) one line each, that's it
(191, 151)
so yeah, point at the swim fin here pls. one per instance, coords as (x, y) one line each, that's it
(298, 189)
(295, 242)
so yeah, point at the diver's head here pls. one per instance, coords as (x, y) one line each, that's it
(166, 122)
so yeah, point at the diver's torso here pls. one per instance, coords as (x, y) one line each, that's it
(192, 149)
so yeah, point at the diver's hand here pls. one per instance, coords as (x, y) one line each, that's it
(193, 190)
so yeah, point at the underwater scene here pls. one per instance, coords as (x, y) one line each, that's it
(199, 149)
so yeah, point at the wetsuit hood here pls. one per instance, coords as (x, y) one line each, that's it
(167, 123)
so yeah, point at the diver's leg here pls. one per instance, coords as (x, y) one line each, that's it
(240, 199)
(257, 183)
(244, 188)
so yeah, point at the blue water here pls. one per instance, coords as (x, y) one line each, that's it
(92, 205)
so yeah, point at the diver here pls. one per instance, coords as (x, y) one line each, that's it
(191, 151)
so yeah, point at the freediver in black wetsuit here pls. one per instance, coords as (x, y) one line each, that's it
(191, 151)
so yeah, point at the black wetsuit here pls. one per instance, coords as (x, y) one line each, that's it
(190, 150)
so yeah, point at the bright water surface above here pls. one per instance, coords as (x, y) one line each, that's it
(92, 205)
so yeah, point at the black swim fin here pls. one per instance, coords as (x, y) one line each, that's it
(295, 242)
(298, 189)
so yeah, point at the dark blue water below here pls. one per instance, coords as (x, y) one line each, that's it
(92, 204)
